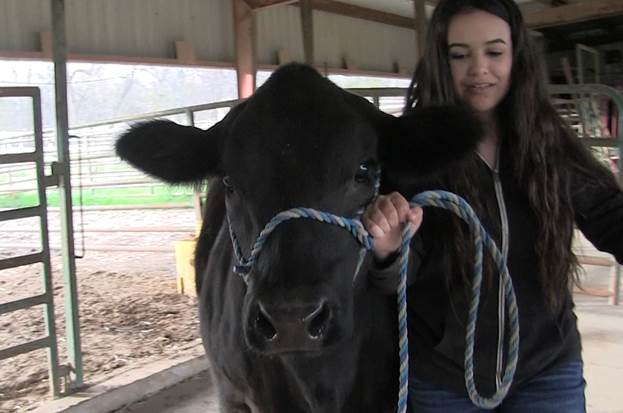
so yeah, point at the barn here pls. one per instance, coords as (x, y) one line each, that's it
(97, 311)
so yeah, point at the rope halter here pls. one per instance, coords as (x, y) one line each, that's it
(354, 226)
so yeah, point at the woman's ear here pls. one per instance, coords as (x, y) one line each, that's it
(424, 141)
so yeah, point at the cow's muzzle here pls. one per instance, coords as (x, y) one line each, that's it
(292, 328)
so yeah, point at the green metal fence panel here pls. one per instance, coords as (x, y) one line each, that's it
(605, 91)
(616, 97)
(47, 298)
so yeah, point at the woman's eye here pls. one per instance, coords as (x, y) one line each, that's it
(495, 53)
(228, 185)
(457, 56)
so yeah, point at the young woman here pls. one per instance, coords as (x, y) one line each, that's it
(530, 181)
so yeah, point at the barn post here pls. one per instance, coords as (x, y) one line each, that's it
(421, 27)
(62, 171)
(307, 28)
(618, 269)
(245, 35)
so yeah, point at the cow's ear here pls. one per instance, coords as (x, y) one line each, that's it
(174, 153)
(427, 140)
(170, 152)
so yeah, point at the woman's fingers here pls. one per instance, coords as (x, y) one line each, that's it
(372, 228)
(398, 206)
(389, 211)
(415, 217)
(392, 208)
(384, 220)
(375, 219)
(386, 213)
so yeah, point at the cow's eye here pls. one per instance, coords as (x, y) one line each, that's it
(366, 171)
(228, 185)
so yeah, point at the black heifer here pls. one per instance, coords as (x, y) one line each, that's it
(301, 336)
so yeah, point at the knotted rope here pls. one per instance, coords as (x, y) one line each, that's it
(441, 199)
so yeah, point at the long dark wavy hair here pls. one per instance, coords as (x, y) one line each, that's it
(543, 150)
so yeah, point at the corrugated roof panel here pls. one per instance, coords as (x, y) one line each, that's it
(20, 22)
(150, 27)
(279, 28)
(367, 45)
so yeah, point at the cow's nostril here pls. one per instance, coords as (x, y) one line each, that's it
(318, 321)
(264, 326)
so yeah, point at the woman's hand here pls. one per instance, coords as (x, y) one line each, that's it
(385, 218)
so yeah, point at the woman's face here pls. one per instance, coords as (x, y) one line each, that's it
(481, 58)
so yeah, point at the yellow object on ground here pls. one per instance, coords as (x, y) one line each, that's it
(185, 263)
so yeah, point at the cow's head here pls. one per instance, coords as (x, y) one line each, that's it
(299, 141)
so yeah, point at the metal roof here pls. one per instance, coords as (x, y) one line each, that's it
(405, 7)
(147, 31)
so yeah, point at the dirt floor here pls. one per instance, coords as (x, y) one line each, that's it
(130, 312)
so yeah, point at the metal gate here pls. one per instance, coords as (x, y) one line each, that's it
(43, 255)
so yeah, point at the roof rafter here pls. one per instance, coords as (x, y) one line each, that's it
(262, 4)
(552, 16)
(365, 13)
(574, 13)
(553, 3)
(344, 9)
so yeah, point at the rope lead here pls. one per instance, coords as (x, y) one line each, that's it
(440, 199)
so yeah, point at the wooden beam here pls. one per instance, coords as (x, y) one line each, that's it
(246, 50)
(552, 3)
(184, 51)
(46, 43)
(307, 30)
(262, 4)
(358, 12)
(574, 13)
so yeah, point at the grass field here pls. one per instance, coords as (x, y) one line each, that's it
(103, 196)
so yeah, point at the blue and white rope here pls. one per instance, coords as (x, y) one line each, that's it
(354, 226)
(441, 199)
(460, 207)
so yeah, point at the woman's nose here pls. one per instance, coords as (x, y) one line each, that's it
(478, 66)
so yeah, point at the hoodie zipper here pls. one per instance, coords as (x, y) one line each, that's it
(499, 196)
(501, 296)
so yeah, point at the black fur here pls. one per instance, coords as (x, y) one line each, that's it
(429, 138)
(170, 152)
(298, 141)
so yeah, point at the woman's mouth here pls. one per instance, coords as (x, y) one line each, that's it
(479, 87)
